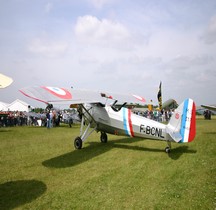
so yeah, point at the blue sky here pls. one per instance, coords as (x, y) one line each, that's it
(114, 45)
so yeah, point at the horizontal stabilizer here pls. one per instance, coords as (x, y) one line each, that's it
(176, 136)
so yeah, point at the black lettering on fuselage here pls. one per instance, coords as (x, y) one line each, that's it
(153, 131)
(142, 128)
(148, 130)
(157, 132)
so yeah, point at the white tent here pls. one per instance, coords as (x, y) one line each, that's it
(3, 106)
(18, 105)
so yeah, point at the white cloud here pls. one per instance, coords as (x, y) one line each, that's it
(210, 34)
(186, 62)
(100, 3)
(91, 30)
(146, 43)
(205, 76)
(47, 48)
(48, 7)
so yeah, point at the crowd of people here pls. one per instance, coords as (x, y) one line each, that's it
(13, 119)
(53, 118)
(49, 119)
(160, 116)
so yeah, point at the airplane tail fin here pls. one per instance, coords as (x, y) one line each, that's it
(182, 125)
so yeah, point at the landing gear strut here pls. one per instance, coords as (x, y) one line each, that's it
(88, 120)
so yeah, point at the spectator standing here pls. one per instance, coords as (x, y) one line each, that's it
(48, 119)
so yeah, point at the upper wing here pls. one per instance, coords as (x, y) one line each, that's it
(57, 95)
(122, 98)
(209, 107)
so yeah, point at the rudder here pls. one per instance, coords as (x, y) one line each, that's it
(188, 124)
(182, 125)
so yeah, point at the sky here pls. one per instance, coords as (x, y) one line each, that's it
(123, 46)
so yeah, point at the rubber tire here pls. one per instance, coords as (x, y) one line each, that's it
(167, 150)
(78, 143)
(103, 137)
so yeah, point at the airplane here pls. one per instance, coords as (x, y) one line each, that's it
(169, 104)
(210, 107)
(107, 113)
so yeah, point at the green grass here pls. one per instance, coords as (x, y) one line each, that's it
(41, 170)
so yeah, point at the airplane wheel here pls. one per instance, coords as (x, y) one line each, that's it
(167, 150)
(103, 137)
(78, 143)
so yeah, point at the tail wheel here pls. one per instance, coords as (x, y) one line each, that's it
(167, 149)
(78, 143)
(103, 137)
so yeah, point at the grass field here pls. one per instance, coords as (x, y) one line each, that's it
(41, 170)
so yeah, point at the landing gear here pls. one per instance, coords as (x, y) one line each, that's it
(168, 148)
(103, 137)
(78, 143)
(90, 125)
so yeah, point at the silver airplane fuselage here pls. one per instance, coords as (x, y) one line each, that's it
(125, 122)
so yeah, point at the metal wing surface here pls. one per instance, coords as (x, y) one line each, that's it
(210, 107)
(122, 98)
(58, 95)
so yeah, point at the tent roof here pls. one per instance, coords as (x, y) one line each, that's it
(3, 106)
(16, 105)
(17, 101)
